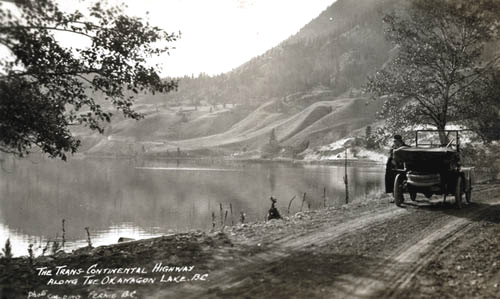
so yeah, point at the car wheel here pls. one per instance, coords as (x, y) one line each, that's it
(458, 193)
(398, 190)
(468, 193)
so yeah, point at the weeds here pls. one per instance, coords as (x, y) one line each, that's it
(31, 254)
(56, 246)
(7, 250)
(44, 250)
(88, 237)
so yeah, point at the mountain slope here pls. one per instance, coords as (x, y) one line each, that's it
(306, 89)
(320, 123)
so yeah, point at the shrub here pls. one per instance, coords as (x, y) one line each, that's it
(7, 250)
(485, 157)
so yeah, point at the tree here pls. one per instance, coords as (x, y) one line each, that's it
(46, 87)
(370, 138)
(440, 65)
(484, 116)
(273, 141)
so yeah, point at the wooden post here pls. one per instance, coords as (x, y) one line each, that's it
(221, 215)
(63, 234)
(290, 203)
(346, 179)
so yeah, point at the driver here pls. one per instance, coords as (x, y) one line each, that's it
(391, 165)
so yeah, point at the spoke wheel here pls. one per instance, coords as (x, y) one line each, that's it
(398, 190)
(458, 193)
(468, 193)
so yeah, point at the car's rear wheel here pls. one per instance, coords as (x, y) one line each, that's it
(468, 193)
(459, 192)
(398, 190)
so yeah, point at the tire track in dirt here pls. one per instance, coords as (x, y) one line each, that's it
(395, 271)
(232, 276)
(406, 261)
(325, 236)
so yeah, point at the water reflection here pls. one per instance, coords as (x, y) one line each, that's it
(131, 198)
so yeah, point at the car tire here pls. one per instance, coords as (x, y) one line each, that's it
(398, 190)
(459, 192)
(468, 193)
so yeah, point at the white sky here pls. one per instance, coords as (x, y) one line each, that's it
(219, 35)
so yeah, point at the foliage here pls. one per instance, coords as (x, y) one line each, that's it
(46, 87)
(484, 115)
(370, 139)
(485, 157)
(440, 68)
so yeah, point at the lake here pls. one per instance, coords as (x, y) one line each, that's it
(138, 198)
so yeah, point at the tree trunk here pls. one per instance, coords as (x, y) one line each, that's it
(443, 138)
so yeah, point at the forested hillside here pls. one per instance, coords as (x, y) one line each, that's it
(337, 50)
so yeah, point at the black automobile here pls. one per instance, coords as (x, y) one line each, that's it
(432, 167)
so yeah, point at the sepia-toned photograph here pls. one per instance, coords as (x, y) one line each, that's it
(249, 149)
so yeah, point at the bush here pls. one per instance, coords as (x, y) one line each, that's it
(485, 157)
(7, 250)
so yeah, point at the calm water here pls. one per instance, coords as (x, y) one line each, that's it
(137, 198)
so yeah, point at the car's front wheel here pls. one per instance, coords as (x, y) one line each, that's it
(459, 192)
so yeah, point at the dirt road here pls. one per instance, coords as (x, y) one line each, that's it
(424, 249)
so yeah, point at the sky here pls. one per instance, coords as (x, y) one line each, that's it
(220, 35)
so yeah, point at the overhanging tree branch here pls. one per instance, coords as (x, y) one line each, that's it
(47, 28)
(37, 74)
(44, 87)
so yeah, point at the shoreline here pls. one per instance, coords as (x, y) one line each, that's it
(216, 159)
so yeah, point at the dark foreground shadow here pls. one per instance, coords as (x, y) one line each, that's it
(306, 274)
(474, 211)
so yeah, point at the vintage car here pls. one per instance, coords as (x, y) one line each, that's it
(432, 167)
